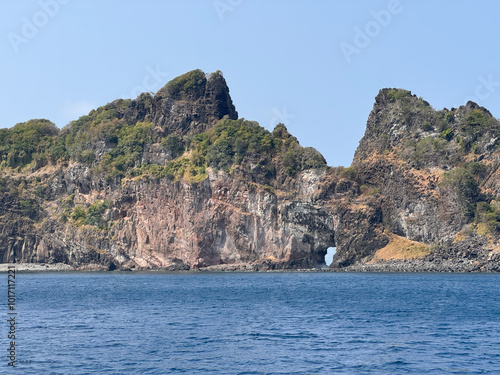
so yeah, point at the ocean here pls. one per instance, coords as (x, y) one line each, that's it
(254, 323)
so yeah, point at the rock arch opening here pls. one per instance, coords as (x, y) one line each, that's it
(330, 252)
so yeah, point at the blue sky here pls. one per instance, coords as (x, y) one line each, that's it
(315, 65)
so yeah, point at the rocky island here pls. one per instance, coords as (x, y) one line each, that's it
(176, 181)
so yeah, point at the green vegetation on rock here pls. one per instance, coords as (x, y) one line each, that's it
(32, 141)
(186, 84)
(93, 215)
(398, 94)
(488, 214)
(173, 144)
(113, 183)
(130, 145)
(447, 134)
(462, 183)
(232, 143)
(28, 208)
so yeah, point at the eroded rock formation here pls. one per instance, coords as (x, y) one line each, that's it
(175, 181)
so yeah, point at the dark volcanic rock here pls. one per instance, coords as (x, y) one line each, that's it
(192, 103)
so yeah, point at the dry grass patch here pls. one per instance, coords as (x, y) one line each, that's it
(482, 229)
(271, 258)
(402, 248)
(459, 237)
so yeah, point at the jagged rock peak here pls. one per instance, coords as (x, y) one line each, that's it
(391, 95)
(193, 102)
(472, 106)
(400, 119)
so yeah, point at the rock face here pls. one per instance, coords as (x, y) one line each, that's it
(434, 172)
(176, 182)
(195, 109)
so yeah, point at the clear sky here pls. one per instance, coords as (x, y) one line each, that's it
(314, 65)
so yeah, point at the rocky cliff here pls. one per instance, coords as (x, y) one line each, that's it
(177, 181)
(435, 174)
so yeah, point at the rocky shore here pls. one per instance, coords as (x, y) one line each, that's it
(32, 267)
(403, 266)
(422, 266)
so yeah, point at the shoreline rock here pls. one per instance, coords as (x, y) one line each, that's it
(35, 267)
(393, 266)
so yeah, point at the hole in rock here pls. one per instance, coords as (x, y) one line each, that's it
(330, 252)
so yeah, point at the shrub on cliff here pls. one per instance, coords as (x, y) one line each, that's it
(478, 170)
(290, 162)
(447, 134)
(460, 185)
(100, 130)
(186, 84)
(477, 129)
(395, 95)
(25, 142)
(174, 145)
(29, 208)
(129, 148)
(79, 214)
(488, 214)
(311, 158)
(431, 151)
(93, 215)
(230, 141)
(476, 117)
(220, 154)
(348, 173)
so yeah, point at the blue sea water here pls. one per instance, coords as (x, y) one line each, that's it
(256, 323)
